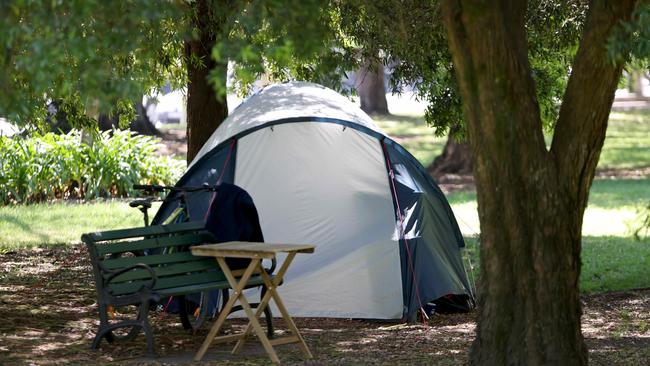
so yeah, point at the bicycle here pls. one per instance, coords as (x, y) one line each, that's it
(193, 312)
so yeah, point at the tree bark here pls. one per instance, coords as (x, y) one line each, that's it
(530, 200)
(371, 88)
(456, 158)
(205, 109)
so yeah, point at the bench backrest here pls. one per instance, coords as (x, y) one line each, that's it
(162, 247)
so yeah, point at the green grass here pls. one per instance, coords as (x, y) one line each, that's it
(609, 263)
(627, 144)
(612, 258)
(615, 208)
(614, 263)
(61, 223)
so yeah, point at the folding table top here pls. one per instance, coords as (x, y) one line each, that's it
(244, 249)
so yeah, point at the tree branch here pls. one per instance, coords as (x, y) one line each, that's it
(582, 122)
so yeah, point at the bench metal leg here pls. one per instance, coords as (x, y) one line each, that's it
(142, 322)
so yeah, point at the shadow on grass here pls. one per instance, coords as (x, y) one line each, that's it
(613, 193)
(614, 263)
(609, 263)
(415, 120)
(22, 226)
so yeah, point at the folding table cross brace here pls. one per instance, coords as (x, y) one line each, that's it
(256, 252)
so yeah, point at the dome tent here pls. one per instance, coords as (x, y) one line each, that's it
(321, 172)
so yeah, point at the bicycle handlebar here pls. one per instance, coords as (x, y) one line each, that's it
(158, 188)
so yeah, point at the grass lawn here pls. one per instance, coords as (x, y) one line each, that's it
(612, 258)
(413, 133)
(61, 223)
(627, 144)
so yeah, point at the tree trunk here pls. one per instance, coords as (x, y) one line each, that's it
(205, 109)
(456, 158)
(141, 124)
(636, 83)
(58, 120)
(371, 88)
(530, 200)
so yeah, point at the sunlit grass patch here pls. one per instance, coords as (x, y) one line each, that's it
(627, 144)
(61, 223)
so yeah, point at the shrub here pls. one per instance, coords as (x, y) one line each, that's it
(63, 166)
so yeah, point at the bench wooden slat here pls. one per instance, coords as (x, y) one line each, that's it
(191, 289)
(169, 282)
(153, 243)
(167, 270)
(143, 231)
(155, 259)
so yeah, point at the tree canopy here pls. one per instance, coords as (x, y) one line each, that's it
(99, 56)
(410, 37)
(94, 55)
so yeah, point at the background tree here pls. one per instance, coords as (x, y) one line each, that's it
(91, 55)
(531, 199)
(97, 56)
(211, 21)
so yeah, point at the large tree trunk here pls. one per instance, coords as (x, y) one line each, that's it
(530, 200)
(371, 88)
(205, 109)
(456, 158)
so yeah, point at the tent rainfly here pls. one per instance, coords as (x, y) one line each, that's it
(321, 172)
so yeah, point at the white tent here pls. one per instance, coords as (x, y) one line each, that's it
(321, 172)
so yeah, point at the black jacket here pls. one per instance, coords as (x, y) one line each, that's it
(232, 216)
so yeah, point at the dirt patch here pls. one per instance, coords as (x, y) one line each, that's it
(456, 182)
(49, 316)
(623, 173)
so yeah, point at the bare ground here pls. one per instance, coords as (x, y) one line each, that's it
(49, 316)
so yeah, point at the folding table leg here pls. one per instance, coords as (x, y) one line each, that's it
(252, 320)
(287, 318)
(272, 285)
(260, 309)
(238, 289)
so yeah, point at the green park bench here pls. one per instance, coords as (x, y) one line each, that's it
(141, 266)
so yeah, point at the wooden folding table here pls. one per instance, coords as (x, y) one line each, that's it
(256, 252)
